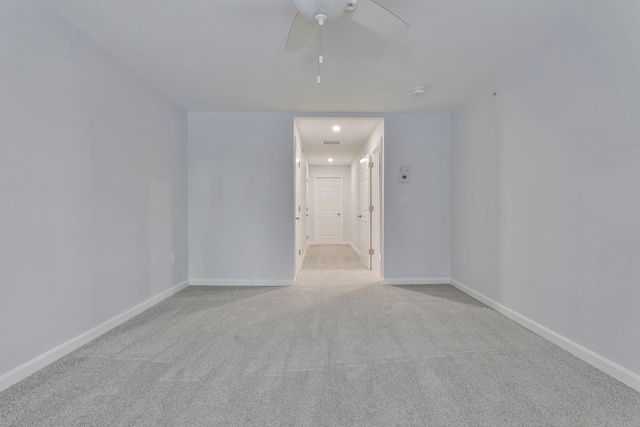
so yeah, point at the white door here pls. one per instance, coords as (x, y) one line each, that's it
(327, 210)
(364, 213)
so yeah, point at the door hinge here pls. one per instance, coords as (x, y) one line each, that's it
(307, 237)
(371, 208)
(299, 252)
(371, 165)
(371, 251)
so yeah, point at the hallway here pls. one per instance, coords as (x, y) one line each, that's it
(331, 257)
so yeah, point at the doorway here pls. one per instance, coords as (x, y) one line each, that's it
(338, 189)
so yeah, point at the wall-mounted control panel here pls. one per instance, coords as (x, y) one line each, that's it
(405, 172)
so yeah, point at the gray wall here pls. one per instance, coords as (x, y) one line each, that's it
(241, 196)
(545, 186)
(93, 184)
(417, 236)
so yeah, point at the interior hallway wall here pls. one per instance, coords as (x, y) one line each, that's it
(545, 186)
(93, 183)
(241, 196)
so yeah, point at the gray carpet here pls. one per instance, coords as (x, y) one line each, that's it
(332, 257)
(337, 349)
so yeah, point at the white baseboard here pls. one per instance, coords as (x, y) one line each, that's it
(301, 262)
(425, 281)
(240, 282)
(34, 365)
(352, 247)
(610, 368)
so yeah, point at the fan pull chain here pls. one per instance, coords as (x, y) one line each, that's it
(320, 59)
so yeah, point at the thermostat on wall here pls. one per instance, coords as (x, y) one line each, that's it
(405, 171)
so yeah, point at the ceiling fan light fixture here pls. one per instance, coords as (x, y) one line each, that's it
(332, 9)
(420, 90)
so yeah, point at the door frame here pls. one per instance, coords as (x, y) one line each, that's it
(364, 213)
(381, 181)
(377, 181)
(300, 202)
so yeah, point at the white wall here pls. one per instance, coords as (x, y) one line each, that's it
(241, 196)
(545, 186)
(417, 236)
(93, 184)
(345, 173)
(241, 184)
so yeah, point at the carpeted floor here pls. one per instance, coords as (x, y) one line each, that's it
(338, 349)
(332, 257)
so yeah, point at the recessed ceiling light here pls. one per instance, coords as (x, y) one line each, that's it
(336, 128)
(330, 160)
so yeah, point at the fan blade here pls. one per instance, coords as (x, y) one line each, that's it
(299, 33)
(379, 19)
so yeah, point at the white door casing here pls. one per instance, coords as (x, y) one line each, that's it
(327, 196)
(364, 214)
(298, 205)
(376, 216)
(307, 222)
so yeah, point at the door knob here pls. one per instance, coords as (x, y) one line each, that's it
(359, 216)
(297, 218)
(338, 213)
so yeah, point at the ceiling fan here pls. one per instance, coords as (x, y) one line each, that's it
(312, 13)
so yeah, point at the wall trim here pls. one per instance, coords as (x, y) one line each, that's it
(300, 261)
(23, 371)
(240, 282)
(425, 281)
(610, 368)
(352, 246)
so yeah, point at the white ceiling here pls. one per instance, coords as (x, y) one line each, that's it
(228, 55)
(353, 135)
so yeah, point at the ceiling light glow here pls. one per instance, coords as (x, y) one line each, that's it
(330, 160)
(336, 128)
